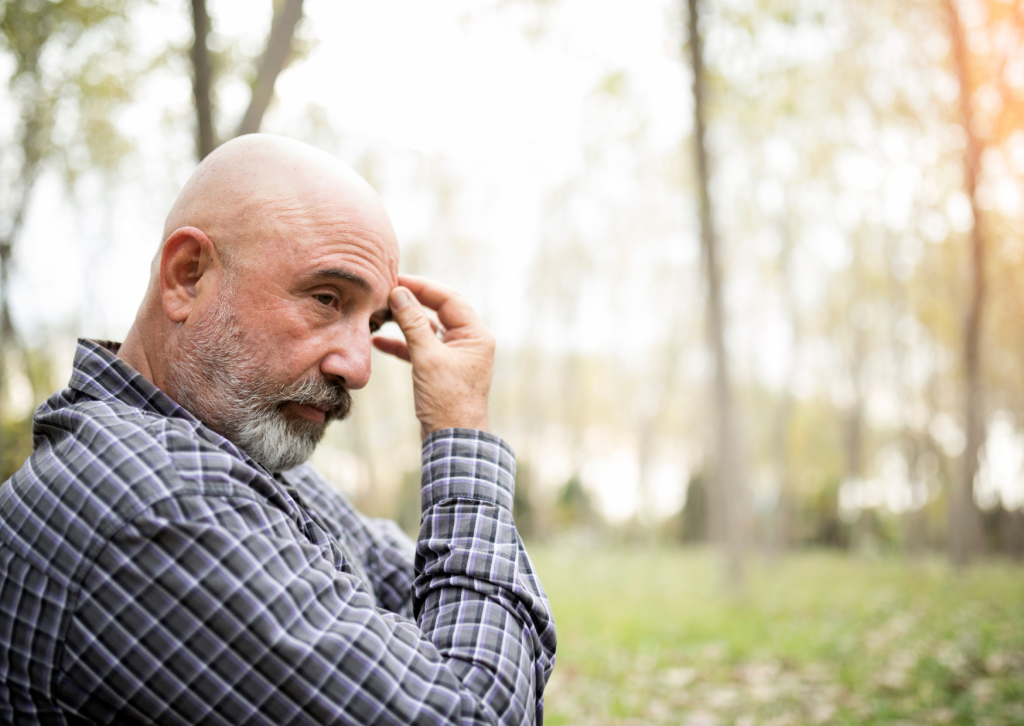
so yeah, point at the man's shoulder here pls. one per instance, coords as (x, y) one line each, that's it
(98, 441)
(98, 464)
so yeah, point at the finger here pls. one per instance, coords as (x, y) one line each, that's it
(439, 330)
(412, 319)
(392, 346)
(430, 293)
(452, 309)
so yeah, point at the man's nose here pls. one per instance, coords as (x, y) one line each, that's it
(348, 357)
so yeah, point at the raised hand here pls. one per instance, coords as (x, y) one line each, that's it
(451, 374)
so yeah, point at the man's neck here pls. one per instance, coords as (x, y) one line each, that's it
(133, 352)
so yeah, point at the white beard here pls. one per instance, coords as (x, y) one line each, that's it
(212, 372)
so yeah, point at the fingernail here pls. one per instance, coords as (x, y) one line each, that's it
(399, 298)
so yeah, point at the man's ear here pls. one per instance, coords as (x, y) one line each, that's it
(187, 255)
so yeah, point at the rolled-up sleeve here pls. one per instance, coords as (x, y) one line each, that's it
(217, 610)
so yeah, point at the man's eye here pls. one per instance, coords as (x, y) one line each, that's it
(327, 300)
(374, 327)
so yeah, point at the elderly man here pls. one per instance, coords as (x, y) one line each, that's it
(165, 554)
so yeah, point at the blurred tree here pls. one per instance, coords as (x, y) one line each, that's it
(407, 511)
(986, 39)
(693, 519)
(729, 493)
(16, 431)
(523, 509)
(280, 49)
(780, 526)
(964, 520)
(1011, 532)
(855, 426)
(74, 65)
(574, 508)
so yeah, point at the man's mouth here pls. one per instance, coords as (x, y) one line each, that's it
(315, 401)
(309, 411)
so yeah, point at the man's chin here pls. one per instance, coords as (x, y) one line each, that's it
(277, 461)
(283, 441)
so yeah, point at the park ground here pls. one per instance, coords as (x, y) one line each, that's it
(650, 636)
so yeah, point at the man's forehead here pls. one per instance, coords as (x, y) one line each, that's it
(321, 235)
(309, 229)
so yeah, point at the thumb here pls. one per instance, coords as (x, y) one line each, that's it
(411, 318)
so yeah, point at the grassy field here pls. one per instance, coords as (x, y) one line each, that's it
(647, 636)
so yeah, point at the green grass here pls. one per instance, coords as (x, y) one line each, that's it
(648, 636)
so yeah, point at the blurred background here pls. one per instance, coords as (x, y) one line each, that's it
(756, 273)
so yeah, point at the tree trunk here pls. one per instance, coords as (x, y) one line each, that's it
(729, 496)
(781, 524)
(964, 517)
(31, 159)
(655, 401)
(273, 61)
(6, 328)
(1012, 533)
(202, 80)
(863, 526)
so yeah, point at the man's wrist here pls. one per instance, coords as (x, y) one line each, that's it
(462, 463)
(478, 423)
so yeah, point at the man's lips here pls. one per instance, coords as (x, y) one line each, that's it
(313, 413)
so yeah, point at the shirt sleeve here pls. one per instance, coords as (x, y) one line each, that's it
(389, 562)
(218, 611)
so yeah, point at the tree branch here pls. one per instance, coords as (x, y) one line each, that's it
(272, 62)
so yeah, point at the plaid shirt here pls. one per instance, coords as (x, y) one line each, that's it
(151, 572)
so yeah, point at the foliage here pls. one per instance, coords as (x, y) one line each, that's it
(16, 435)
(647, 636)
(74, 66)
(35, 366)
(573, 507)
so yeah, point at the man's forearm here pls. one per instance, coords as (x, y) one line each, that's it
(476, 595)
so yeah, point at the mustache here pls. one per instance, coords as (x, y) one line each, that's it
(333, 398)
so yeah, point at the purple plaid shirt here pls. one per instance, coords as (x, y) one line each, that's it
(151, 572)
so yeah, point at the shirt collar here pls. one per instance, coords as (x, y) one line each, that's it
(100, 374)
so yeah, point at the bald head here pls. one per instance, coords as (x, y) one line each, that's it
(291, 242)
(242, 192)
